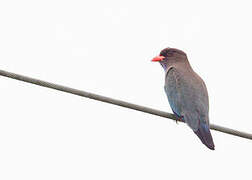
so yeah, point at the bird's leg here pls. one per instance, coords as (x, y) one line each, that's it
(180, 118)
(177, 120)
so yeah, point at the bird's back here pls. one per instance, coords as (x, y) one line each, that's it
(188, 98)
(187, 95)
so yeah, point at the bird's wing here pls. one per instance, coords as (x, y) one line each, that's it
(185, 97)
(172, 90)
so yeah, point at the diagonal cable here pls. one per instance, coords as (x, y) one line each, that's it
(115, 102)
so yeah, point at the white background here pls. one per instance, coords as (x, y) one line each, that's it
(105, 47)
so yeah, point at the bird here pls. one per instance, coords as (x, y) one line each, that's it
(186, 92)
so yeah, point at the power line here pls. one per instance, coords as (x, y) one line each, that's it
(115, 102)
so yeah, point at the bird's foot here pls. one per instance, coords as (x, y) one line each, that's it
(180, 118)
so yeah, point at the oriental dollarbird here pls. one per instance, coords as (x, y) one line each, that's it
(186, 92)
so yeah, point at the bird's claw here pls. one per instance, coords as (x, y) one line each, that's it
(179, 119)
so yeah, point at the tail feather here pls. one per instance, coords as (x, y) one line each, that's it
(205, 135)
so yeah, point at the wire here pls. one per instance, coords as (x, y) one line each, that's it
(115, 102)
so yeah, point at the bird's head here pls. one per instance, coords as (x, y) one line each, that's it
(167, 55)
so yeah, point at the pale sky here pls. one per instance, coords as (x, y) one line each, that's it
(105, 47)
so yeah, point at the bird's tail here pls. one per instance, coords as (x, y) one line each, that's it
(205, 135)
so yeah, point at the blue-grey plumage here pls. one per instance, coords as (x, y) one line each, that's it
(187, 93)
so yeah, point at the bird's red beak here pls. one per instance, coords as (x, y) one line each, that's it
(158, 58)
